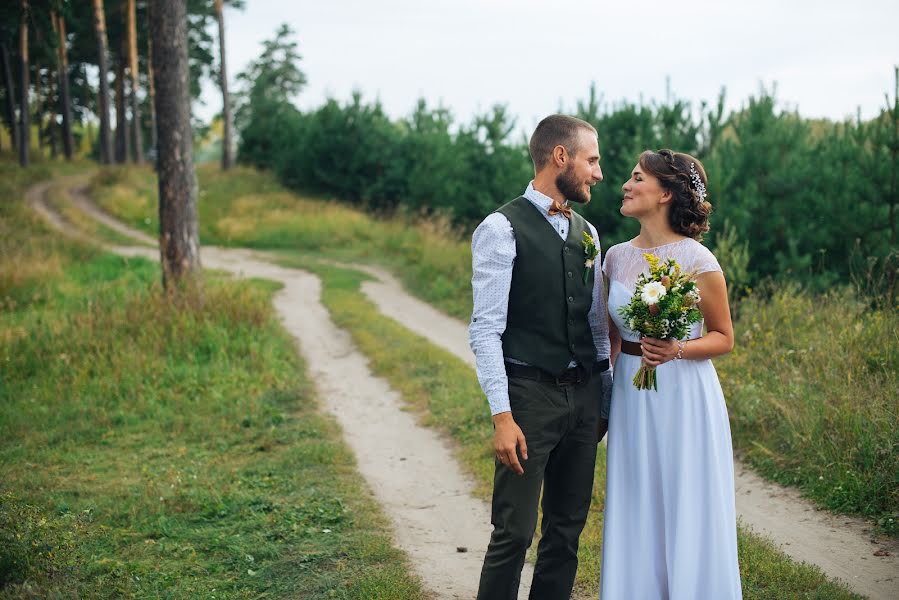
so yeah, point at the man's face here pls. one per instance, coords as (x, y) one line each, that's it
(582, 171)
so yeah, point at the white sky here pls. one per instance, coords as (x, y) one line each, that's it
(827, 58)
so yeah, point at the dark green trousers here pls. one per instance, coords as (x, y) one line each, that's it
(559, 423)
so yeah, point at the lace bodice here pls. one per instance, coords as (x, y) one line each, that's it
(622, 264)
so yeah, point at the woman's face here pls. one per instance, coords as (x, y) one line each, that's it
(643, 194)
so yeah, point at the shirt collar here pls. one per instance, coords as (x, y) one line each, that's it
(538, 199)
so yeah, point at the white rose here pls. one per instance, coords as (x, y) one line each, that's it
(652, 292)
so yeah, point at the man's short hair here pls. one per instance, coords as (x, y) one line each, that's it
(556, 130)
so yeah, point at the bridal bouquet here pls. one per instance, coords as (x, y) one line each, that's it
(663, 306)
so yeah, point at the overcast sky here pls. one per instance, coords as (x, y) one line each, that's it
(827, 58)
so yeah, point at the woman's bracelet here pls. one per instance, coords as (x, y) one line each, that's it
(680, 349)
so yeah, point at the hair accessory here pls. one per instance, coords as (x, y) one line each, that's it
(698, 185)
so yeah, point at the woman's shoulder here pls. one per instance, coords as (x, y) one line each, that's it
(701, 259)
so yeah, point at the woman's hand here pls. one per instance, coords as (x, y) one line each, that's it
(656, 351)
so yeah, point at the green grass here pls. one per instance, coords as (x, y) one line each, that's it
(165, 447)
(245, 207)
(57, 199)
(810, 385)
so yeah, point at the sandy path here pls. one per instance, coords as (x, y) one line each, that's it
(410, 469)
(841, 546)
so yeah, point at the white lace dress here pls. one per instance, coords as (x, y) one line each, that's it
(670, 520)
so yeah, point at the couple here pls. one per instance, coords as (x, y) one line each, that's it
(543, 338)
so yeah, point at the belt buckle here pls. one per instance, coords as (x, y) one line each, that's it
(565, 379)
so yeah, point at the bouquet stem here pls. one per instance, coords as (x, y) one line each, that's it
(646, 379)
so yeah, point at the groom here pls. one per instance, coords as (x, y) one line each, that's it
(539, 332)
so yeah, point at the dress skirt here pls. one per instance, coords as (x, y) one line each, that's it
(670, 518)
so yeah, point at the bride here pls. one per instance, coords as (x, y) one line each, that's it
(670, 521)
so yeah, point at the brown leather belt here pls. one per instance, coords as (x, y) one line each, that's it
(632, 348)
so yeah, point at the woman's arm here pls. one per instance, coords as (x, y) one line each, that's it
(719, 337)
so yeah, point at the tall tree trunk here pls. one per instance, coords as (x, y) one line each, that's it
(135, 104)
(103, 93)
(10, 97)
(62, 65)
(39, 105)
(179, 242)
(25, 125)
(121, 116)
(227, 142)
(50, 108)
(151, 89)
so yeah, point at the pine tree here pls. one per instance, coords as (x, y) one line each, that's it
(178, 235)
(103, 93)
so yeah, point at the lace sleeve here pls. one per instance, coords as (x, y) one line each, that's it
(705, 261)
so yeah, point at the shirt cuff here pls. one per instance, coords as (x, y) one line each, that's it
(499, 405)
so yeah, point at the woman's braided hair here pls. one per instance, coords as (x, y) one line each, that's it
(684, 176)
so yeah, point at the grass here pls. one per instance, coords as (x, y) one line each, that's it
(57, 199)
(160, 447)
(810, 385)
(248, 208)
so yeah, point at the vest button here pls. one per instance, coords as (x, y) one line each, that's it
(567, 250)
(571, 298)
(570, 275)
(571, 321)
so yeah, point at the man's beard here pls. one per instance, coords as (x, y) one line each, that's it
(571, 188)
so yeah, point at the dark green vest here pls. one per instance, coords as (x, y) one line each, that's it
(549, 301)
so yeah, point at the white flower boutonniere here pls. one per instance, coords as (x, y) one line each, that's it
(590, 252)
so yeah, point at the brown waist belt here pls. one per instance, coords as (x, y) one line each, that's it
(634, 349)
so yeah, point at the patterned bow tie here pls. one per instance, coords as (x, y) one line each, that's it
(557, 207)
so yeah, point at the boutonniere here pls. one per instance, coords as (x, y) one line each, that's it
(590, 252)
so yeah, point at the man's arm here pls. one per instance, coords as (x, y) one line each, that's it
(597, 318)
(492, 260)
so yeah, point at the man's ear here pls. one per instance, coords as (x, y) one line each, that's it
(560, 156)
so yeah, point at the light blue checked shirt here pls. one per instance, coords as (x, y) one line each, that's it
(493, 256)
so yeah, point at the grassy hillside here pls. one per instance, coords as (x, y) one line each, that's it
(245, 207)
(159, 448)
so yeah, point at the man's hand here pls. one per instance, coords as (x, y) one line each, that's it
(507, 438)
(601, 429)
